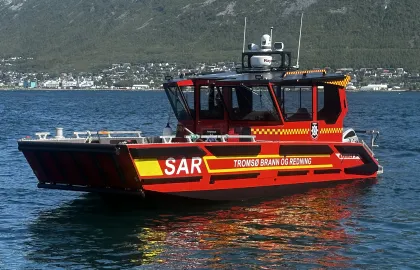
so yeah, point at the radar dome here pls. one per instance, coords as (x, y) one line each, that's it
(265, 42)
(261, 61)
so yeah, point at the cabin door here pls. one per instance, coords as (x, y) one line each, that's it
(211, 115)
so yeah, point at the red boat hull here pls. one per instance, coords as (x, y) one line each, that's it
(210, 171)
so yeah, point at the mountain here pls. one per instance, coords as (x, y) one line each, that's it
(83, 34)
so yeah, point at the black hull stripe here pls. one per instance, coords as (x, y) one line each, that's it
(243, 176)
(175, 180)
(234, 150)
(368, 168)
(184, 151)
(292, 173)
(354, 150)
(290, 150)
(331, 171)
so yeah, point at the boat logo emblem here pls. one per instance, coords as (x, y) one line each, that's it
(314, 130)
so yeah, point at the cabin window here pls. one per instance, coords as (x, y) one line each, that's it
(177, 102)
(211, 106)
(188, 94)
(295, 102)
(252, 104)
(329, 104)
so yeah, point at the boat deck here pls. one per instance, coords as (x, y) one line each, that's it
(133, 137)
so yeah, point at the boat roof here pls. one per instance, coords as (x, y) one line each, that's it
(278, 77)
(282, 72)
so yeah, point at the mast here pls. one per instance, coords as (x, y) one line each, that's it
(271, 36)
(243, 46)
(300, 37)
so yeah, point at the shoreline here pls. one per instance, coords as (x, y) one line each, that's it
(81, 89)
(399, 90)
(146, 90)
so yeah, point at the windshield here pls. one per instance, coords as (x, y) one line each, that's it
(250, 103)
(181, 104)
(210, 103)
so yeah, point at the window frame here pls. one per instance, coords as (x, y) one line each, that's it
(282, 103)
(175, 94)
(337, 106)
(228, 101)
(221, 107)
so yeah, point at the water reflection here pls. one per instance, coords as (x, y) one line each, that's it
(299, 230)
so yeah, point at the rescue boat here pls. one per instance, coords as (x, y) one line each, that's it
(256, 132)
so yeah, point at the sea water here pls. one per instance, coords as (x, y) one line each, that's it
(374, 225)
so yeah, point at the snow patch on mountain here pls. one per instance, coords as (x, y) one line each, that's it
(342, 10)
(207, 2)
(145, 24)
(229, 10)
(298, 5)
(14, 5)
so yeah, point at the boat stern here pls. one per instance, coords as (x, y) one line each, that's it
(79, 166)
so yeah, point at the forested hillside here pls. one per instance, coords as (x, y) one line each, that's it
(89, 34)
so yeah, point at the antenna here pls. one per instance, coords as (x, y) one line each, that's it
(271, 36)
(243, 46)
(300, 37)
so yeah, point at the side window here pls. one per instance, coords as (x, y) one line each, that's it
(188, 93)
(329, 104)
(296, 103)
(321, 99)
(211, 106)
(241, 103)
(252, 104)
(177, 103)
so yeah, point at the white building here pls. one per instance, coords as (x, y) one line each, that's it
(51, 84)
(374, 87)
(69, 84)
(141, 87)
(86, 84)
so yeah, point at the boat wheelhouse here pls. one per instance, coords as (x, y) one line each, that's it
(255, 132)
(284, 106)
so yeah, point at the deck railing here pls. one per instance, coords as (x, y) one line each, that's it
(104, 136)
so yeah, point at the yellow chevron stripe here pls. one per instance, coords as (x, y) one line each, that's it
(148, 167)
(342, 83)
(293, 131)
(298, 72)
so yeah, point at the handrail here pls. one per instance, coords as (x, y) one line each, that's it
(374, 136)
(106, 133)
(42, 135)
(223, 138)
(89, 136)
(368, 148)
